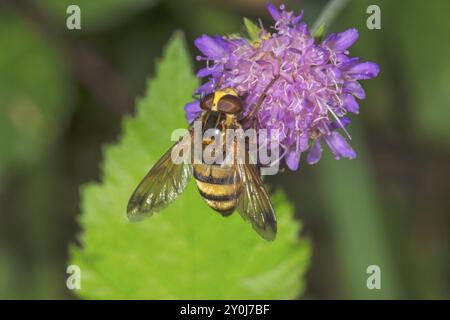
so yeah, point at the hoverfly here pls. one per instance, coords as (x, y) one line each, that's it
(224, 188)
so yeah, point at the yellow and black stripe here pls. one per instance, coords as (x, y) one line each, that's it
(219, 187)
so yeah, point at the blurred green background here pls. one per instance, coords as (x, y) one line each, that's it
(63, 94)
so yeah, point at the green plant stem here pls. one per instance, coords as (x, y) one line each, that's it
(329, 13)
(354, 211)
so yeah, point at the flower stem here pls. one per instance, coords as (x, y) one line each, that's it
(329, 13)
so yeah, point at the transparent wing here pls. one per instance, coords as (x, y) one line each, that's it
(163, 184)
(254, 205)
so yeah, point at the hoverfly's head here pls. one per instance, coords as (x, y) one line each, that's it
(226, 101)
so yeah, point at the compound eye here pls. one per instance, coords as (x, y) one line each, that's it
(229, 104)
(207, 102)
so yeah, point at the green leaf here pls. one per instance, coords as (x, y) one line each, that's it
(252, 30)
(187, 251)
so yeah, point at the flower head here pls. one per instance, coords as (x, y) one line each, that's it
(309, 86)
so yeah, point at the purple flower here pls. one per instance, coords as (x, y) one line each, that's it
(192, 110)
(311, 85)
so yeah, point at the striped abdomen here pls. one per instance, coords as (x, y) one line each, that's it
(219, 187)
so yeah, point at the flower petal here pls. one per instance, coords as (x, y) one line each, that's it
(355, 89)
(192, 110)
(350, 103)
(336, 73)
(342, 41)
(298, 18)
(303, 142)
(315, 153)
(339, 146)
(363, 70)
(205, 88)
(336, 125)
(317, 55)
(293, 158)
(211, 47)
(276, 15)
(204, 72)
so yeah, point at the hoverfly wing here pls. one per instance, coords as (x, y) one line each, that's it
(254, 205)
(164, 182)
